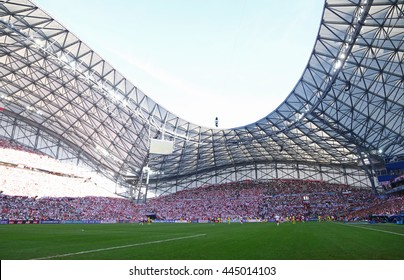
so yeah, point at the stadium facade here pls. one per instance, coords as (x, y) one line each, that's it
(341, 120)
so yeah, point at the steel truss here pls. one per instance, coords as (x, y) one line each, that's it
(62, 98)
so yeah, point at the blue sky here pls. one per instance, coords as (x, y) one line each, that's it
(232, 59)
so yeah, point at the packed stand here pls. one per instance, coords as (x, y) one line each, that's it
(104, 209)
(231, 200)
(312, 199)
(36, 187)
(264, 200)
(26, 173)
(389, 206)
(248, 200)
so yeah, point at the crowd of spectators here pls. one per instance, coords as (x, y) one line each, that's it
(398, 181)
(311, 199)
(23, 157)
(264, 200)
(239, 200)
(26, 182)
(26, 173)
(37, 187)
(391, 205)
(231, 200)
(6, 144)
(106, 209)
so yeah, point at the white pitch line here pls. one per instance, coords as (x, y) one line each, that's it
(385, 231)
(120, 247)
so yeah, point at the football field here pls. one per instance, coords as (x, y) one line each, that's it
(248, 241)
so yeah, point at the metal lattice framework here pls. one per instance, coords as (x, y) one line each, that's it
(62, 98)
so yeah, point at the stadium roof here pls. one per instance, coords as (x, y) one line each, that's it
(55, 91)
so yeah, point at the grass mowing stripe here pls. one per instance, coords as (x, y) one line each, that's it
(385, 231)
(248, 241)
(120, 247)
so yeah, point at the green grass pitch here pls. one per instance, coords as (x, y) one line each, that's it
(248, 241)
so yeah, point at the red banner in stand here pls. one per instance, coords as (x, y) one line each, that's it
(1, 109)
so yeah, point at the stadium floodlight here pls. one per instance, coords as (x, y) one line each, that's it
(347, 86)
(337, 65)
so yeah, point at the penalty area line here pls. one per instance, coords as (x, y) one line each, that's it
(374, 229)
(120, 247)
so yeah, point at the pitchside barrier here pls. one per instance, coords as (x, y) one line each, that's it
(19, 221)
(396, 219)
